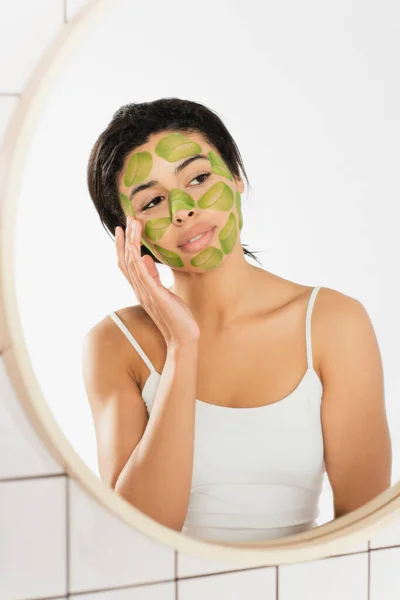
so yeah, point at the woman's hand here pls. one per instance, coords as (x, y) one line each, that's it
(171, 315)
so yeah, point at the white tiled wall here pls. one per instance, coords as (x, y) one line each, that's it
(57, 542)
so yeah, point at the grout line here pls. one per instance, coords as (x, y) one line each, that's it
(226, 572)
(30, 477)
(369, 573)
(47, 597)
(384, 548)
(10, 95)
(148, 583)
(277, 583)
(65, 11)
(338, 555)
(67, 538)
(116, 588)
(176, 573)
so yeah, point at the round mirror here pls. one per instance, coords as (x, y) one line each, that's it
(228, 370)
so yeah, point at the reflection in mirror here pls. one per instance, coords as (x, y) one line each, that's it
(228, 400)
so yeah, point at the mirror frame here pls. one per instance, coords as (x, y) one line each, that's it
(320, 542)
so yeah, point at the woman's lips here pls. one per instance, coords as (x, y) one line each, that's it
(199, 244)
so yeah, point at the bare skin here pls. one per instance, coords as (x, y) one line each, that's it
(259, 360)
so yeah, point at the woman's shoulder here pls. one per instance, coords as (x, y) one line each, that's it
(133, 317)
(329, 299)
(330, 305)
(332, 311)
(136, 321)
(106, 337)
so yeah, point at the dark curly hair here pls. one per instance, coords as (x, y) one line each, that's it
(130, 127)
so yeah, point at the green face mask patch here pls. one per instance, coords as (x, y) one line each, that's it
(143, 241)
(228, 235)
(171, 258)
(155, 228)
(175, 146)
(138, 168)
(209, 258)
(179, 200)
(126, 205)
(238, 200)
(218, 197)
(218, 166)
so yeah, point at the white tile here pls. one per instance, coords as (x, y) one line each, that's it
(385, 574)
(33, 538)
(389, 536)
(157, 591)
(258, 584)
(7, 106)
(26, 29)
(73, 7)
(106, 552)
(341, 578)
(21, 450)
(193, 565)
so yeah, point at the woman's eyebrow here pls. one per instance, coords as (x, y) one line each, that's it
(145, 186)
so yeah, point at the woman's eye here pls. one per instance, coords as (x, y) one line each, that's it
(205, 175)
(153, 200)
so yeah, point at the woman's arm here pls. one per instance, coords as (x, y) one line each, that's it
(147, 460)
(358, 455)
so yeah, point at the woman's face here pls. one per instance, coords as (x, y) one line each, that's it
(174, 182)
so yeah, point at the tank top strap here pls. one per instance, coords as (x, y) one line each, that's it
(132, 340)
(308, 325)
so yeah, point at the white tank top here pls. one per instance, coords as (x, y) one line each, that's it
(257, 471)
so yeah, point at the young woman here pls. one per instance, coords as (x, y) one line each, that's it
(219, 403)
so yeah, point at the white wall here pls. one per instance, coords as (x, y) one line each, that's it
(56, 541)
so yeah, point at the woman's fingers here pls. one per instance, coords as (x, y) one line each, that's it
(119, 237)
(120, 248)
(136, 267)
(152, 269)
(127, 238)
(133, 254)
(139, 271)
